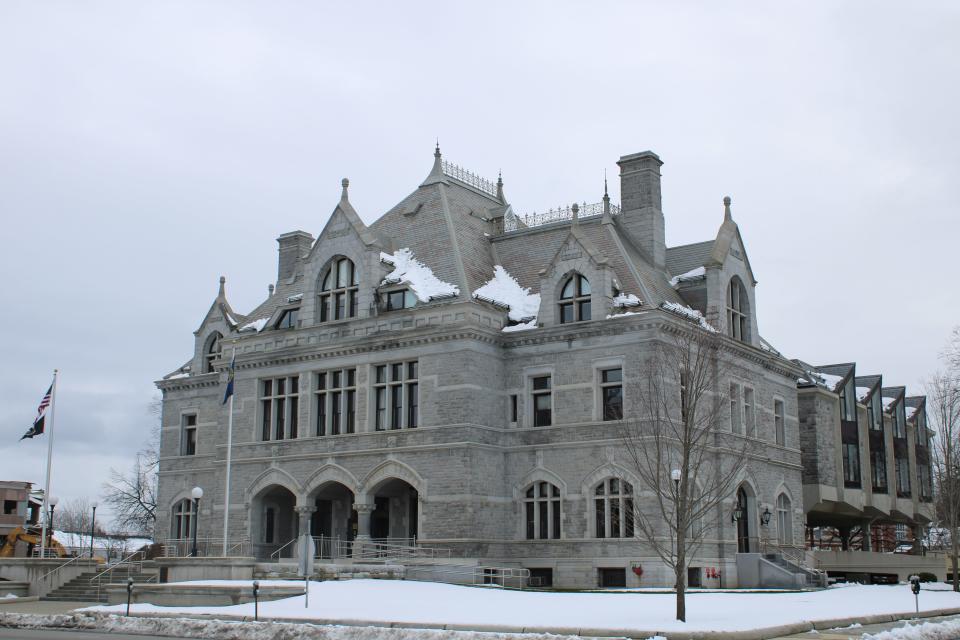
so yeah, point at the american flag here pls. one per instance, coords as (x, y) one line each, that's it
(37, 427)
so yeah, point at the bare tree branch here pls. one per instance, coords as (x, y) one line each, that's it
(132, 494)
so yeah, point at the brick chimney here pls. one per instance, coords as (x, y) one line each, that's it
(293, 246)
(641, 213)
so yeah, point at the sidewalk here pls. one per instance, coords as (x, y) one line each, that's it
(22, 605)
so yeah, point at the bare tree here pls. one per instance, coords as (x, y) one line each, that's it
(676, 449)
(75, 516)
(132, 494)
(943, 400)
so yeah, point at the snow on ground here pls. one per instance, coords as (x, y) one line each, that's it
(385, 601)
(505, 290)
(948, 630)
(423, 283)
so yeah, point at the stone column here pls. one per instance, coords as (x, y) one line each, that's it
(867, 535)
(363, 519)
(304, 512)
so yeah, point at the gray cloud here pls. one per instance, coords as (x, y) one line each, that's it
(148, 148)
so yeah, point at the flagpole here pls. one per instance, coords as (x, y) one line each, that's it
(226, 489)
(46, 487)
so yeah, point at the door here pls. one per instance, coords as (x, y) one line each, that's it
(743, 523)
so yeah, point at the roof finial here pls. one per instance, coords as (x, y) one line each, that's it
(344, 183)
(223, 281)
(436, 152)
(606, 196)
(270, 290)
(500, 196)
(575, 212)
(726, 208)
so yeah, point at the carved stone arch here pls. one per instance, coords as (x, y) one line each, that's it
(183, 494)
(539, 474)
(611, 470)
(211, 337)
(274, 477)
(389, 470)
(783, 488)
(330, 473)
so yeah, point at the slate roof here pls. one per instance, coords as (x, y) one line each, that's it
(687, 257)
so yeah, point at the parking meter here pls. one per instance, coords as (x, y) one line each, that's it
(256, 596)
(915, 587)
(129, 593)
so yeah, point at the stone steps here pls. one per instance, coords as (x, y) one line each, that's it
(80, 589)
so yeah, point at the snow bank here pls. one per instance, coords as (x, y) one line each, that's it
(693, 274)
(949, 630)
(689, 314)
(411, 271)
(503, 289)
(256, 325)
(396, 601)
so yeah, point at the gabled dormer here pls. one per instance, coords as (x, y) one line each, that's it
(219, 321)
(868, 394)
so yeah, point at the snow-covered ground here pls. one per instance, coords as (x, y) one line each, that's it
(386, 601)
(949, 630)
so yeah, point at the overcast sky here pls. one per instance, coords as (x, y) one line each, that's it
(148, 148)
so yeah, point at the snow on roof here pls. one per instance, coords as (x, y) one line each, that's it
(411, 271)
(177, 375)
(256, 325)
(230, 318)
(862, 393)
(504, 289)
(626, 300)
(523, 326)
(297, 297)
(625, 314)
(693, 274)
(829, 380)
(888, 402)
(689, 314)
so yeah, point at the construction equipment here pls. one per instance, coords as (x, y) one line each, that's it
(31, 536)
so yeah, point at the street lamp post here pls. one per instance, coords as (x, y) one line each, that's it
(93, 526)
(53, 505)
(197, 493)
(675, 476)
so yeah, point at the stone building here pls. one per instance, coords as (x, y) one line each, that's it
(458, 374)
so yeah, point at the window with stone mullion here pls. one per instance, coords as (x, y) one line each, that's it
(613, 506)
(280, 408)
(339, 291)
(182, 522)
(575, 300)
(396, 396)
(336, 402)
(542, 511)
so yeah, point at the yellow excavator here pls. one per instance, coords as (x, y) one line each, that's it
(31, 536)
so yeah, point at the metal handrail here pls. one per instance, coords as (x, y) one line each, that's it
(117, 565)
(276, 554)
(59, 567)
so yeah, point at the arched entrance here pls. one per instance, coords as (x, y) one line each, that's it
(273, 522)
(396, 513)
(745, 513)
(334, 517)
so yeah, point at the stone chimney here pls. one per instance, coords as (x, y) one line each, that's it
(293, 246)
(641, 213)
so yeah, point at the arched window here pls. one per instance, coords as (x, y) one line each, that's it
(338, 291)
(183, 520)
(575, 299)
(542, 511)
(212, 352)
(784, 520)
(737, 310)
(613, 502)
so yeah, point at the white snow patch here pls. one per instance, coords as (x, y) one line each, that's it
(411, 271)
(504, 289)
(297, 297)
(693, 274)
(230, 318)
(862, 393)
(523, 326)
(887, 402)
(178, 375)
(829, 380)
(947, 630)
(626, 300)
(401, 601)
(689, 314)
(625, 314)
(256, 325)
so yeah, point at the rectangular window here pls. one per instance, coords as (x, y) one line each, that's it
(396, 395)
(923, 480)
(280, 407)
(542, 401)
(289, 319)
(335, 401)
(778, 426)
(877, 422)
(402, 299)
(878, 465)
(189, 439)
(9, 507)
(611, 389)
(851, 465)
(900, 424)
(903, 478)
(513, 408)
(749, 415)
(736, 416)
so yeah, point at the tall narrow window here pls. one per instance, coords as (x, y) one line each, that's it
(736, 415)
(513, 408)
(875, 403)
(737, 305)
(903, 477)
(784, 520)
(851, 465)
(611, 388)
(396, 396)
(338, 291)
(212, 352)
(878, 465)
(542, 401)
(188, 440)
(683, 397)
(542, 511)
(749, 412)
(413, 396)
(280, 408)
(575, 299)
(182, 522)
(900, 423)
(778, 425)
(336, 401)
(613, 507)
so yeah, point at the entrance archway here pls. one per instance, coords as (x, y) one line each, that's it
(396, 513)
(746, 510)
(334, 518)
(273, 522)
